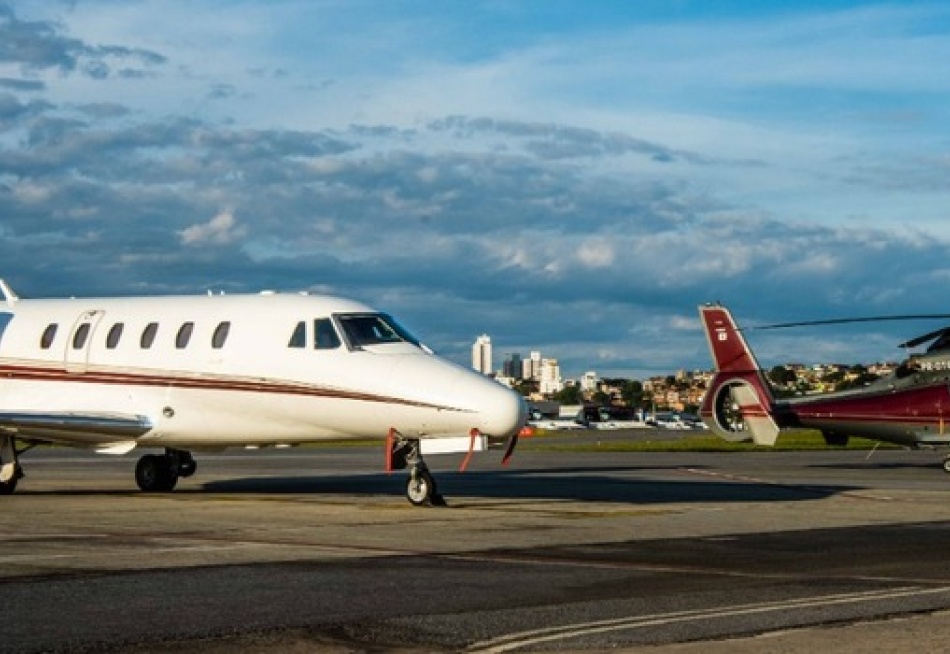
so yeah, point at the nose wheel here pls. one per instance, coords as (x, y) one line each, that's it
(420, 488)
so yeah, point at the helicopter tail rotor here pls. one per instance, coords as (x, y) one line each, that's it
(738, 405)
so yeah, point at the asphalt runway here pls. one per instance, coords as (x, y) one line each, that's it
(316, 549)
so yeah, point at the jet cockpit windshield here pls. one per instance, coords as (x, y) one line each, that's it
(362, 329)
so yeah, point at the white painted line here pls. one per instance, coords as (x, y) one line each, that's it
(531, 638)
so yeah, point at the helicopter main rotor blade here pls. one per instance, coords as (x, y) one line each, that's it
(914, 342)
(841, 321)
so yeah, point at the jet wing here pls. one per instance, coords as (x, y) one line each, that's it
(79, 428)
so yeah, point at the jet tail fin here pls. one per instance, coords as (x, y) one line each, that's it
(738, 405)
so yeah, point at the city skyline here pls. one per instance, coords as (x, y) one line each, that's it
(530, 368)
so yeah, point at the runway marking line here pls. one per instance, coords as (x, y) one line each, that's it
(13, 558)
(164, 543)
(805, 488)
(617, 565)
(521, 559)
(535, 637)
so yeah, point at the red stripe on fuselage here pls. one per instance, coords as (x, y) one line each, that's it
(917, 405)
(205, 382)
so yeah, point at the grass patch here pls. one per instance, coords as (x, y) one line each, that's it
(792, 441)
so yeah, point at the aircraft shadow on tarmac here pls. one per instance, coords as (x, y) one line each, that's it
(578, 484)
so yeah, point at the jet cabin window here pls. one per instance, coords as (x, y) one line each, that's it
(220, 335)
(49, 334)
(79, 338)
(148, 335)
(184, 335)
(115, 333)
(373, 329)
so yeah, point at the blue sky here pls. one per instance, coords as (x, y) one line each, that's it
(567, 177)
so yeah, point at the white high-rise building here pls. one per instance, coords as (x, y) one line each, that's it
(481, 355)
(550, 377)
(532, 367)
(589, 382)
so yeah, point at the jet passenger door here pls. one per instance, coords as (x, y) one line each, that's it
(80, 340)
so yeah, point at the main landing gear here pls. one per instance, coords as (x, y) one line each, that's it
(421, 489)
(10, 470)
(158, 473)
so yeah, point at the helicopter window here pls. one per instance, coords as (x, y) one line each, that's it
(327, 338)
(299, 337)
(373, 329)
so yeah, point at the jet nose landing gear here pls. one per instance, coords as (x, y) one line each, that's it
(421, 489)
(405, 453)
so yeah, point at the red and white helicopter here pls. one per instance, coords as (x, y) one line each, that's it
(203, 373)
(911, 406)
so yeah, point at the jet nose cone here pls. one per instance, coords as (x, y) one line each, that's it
(502, 412)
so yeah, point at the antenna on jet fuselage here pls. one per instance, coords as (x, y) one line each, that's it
(8, 294)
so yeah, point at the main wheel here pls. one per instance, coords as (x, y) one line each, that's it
(421, 489)
(153, 474)
(187, 467)
(7, 487)
(946, 464)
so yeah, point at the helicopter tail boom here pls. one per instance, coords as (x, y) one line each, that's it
(738, 405)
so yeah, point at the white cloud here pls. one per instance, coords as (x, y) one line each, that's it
(596, 253)
(223, 229)
(553, 185)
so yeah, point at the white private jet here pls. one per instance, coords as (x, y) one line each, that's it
(203, 373)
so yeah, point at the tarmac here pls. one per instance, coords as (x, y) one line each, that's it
(317, 549)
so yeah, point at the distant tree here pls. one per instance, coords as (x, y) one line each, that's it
(526, 387)
(632, 393)
(834, 377)
(782, 376)
(601, 397)
(569, 395)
